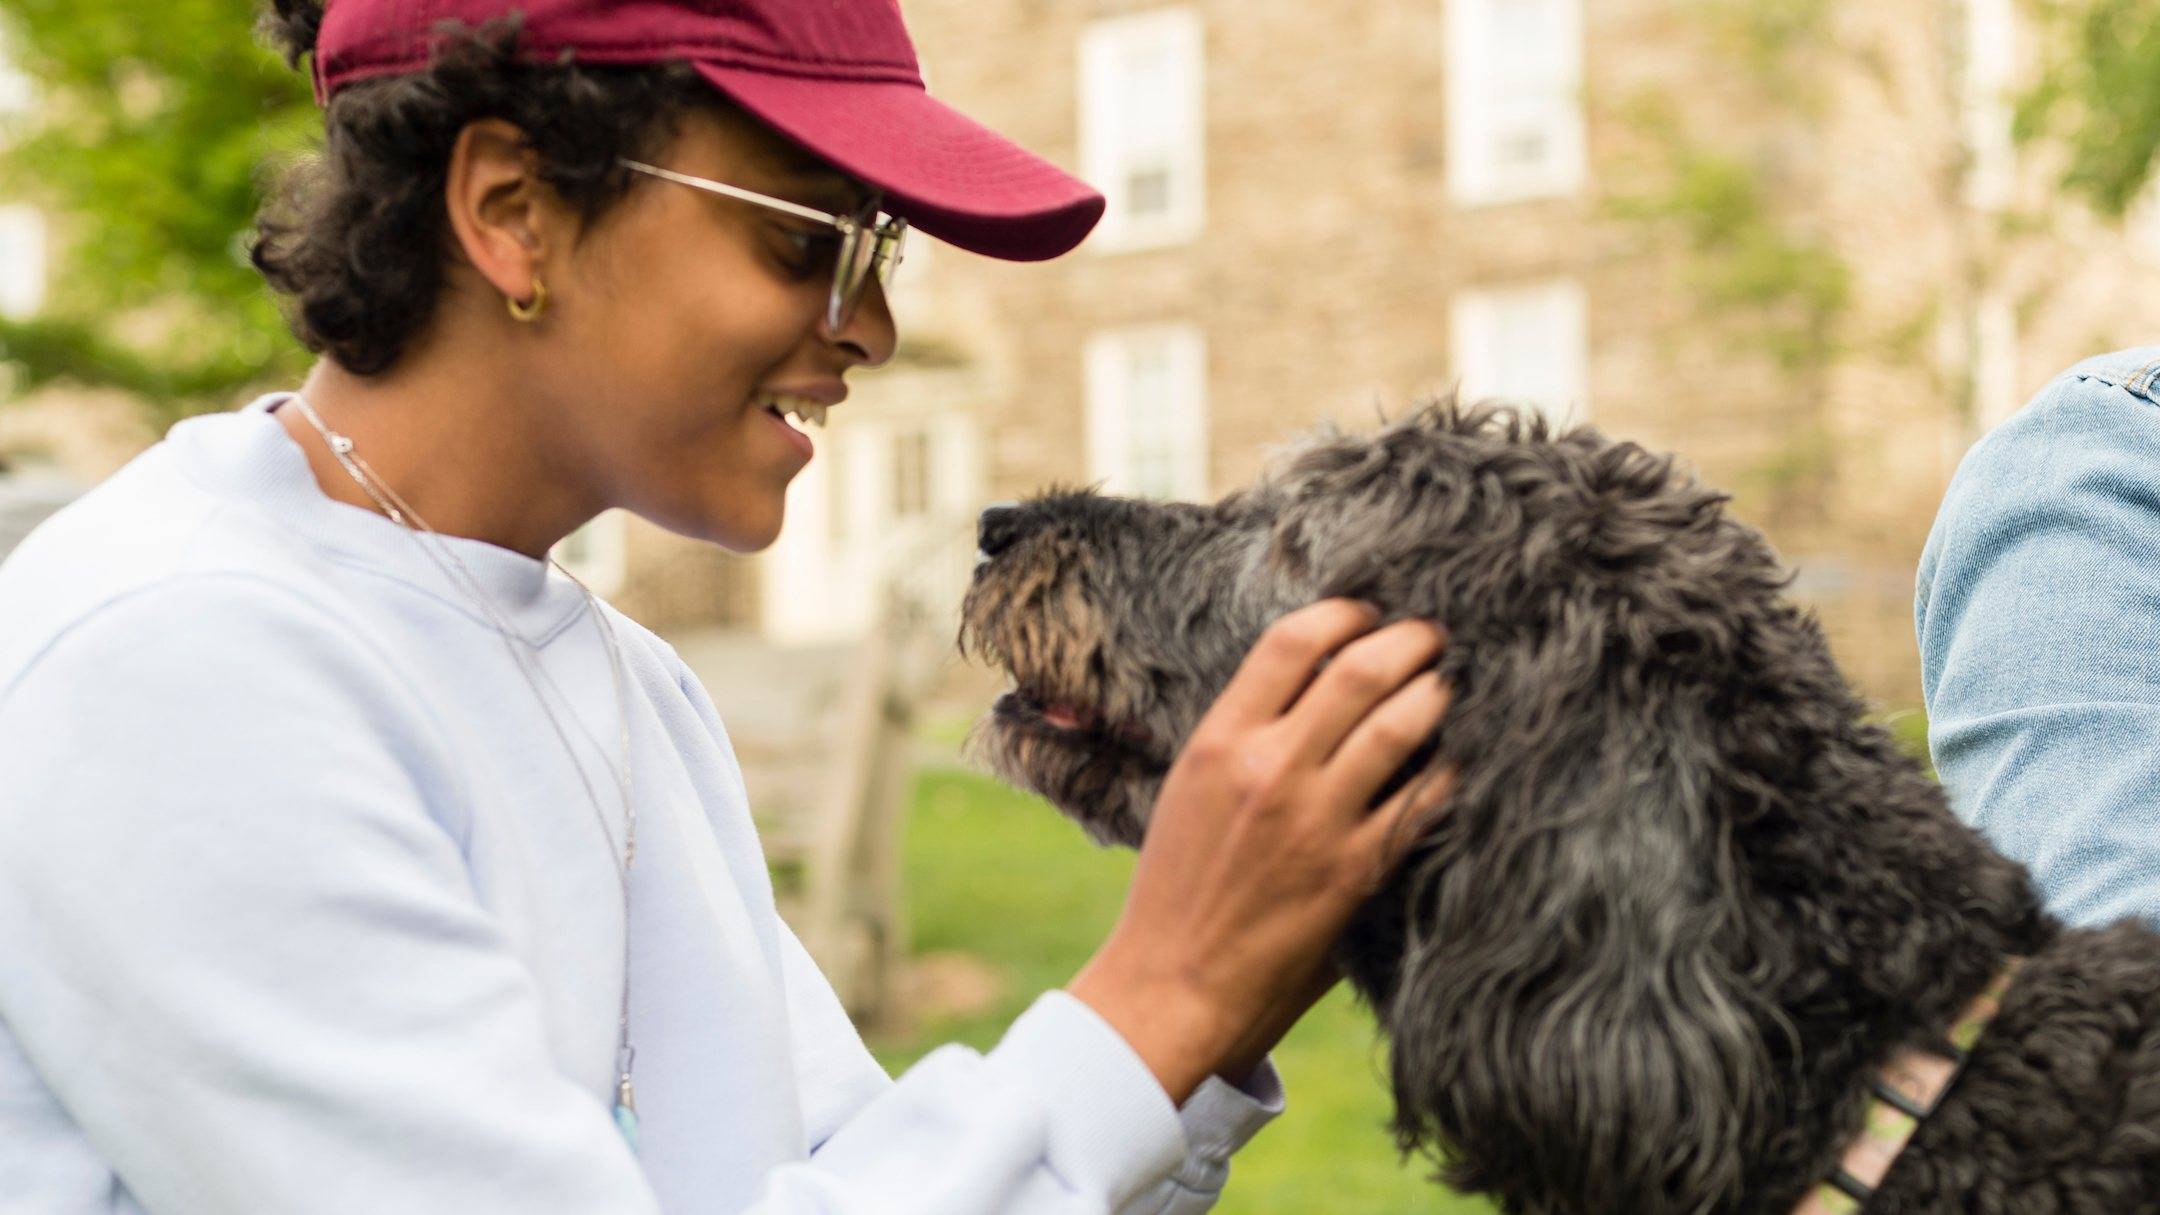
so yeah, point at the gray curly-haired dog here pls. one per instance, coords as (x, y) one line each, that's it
(1685, 900)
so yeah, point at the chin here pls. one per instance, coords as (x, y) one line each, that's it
(736, 526)
(744, 540)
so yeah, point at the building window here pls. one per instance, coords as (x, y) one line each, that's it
(22, 260)
(874, 474)
(1147, 412)
(911, 474)
(1527, 344)
(1515, 120)
(598, 553)
(1142, 126)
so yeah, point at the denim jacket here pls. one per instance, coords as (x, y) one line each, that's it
(2038, 611)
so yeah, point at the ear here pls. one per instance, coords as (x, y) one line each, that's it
(1570, 1017)
(500, 210)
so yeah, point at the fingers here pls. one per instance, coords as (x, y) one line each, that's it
(1385, 837)
(1380, 743)
(1371, 670)
(1281, 664)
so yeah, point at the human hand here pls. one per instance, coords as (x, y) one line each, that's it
(1263, 842)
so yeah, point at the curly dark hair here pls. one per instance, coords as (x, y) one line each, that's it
(357, 237)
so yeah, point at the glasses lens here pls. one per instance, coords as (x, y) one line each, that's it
(867, 250)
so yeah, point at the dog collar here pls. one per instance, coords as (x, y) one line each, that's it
(1905, 1092)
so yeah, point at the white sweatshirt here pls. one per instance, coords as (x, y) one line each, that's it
(303, 908)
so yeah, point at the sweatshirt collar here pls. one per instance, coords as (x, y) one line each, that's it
(247, 453)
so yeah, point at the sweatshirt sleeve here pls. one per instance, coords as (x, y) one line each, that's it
(2038, 614)
(840, 1080)
(239, 942)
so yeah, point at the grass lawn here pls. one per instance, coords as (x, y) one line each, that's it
(1002, 877)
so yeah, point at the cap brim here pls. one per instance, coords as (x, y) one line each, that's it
(940, 170)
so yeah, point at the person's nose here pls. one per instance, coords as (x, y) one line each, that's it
(870, 336)
(1003, 525)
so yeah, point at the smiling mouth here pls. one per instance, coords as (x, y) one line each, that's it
(784, 405)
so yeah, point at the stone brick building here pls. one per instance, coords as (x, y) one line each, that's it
(1798, 250)
(1790, 241)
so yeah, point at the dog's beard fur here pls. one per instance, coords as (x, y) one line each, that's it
(1585, 1002)
(1039, 623)
(1104, 787)
(1107, 686)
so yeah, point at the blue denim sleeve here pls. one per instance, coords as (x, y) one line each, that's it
(2038, 613)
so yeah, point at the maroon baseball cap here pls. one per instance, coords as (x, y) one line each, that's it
(838, 77)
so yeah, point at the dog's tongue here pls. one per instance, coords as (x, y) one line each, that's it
(1061, 716)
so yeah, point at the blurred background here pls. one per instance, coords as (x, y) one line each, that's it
(1816, 247)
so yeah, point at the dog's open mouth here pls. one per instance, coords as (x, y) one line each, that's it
(1077, 724)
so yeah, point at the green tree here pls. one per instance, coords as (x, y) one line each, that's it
(153, 132)
(2098, 95)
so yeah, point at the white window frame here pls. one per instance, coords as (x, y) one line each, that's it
(864, 468)
(1105, 159)
(1559, 387)
(821, 580)
(924, 443)
(1989, 81)
(1110, 357)
(23, 257)
(1477, 102)
(599, 552)
(17, 93)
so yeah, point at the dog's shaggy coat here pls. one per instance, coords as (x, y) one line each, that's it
(1685, 901)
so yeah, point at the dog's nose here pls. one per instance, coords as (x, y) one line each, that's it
(999, 527)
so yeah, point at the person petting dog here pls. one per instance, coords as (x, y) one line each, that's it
(355, 858)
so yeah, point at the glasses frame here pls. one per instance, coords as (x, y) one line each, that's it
(851, 272)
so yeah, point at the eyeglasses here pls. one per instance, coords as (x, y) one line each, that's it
(868, 241)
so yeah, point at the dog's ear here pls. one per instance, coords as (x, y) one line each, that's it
(1571, 1016)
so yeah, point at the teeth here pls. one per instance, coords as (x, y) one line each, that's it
(811, 412)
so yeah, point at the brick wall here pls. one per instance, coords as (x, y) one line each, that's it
(1332, 251)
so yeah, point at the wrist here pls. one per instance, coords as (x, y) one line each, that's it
(1240, 1070)
(1180, 1034)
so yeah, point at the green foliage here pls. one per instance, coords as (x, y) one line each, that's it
(1745, 258)
(149, 144)
(1749, 263)
(1746, 263)
(1760, 277)
(2096, 95)
(1770, 40)
(1910, 728)
(1770, 30)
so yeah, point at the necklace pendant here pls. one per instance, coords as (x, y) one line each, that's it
(626, 1119)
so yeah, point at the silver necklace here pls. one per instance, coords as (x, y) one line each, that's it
(526, 655)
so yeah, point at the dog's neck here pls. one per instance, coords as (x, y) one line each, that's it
(1907, 1091)
(1895, 944)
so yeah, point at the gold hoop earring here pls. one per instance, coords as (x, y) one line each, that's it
(530, 312)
